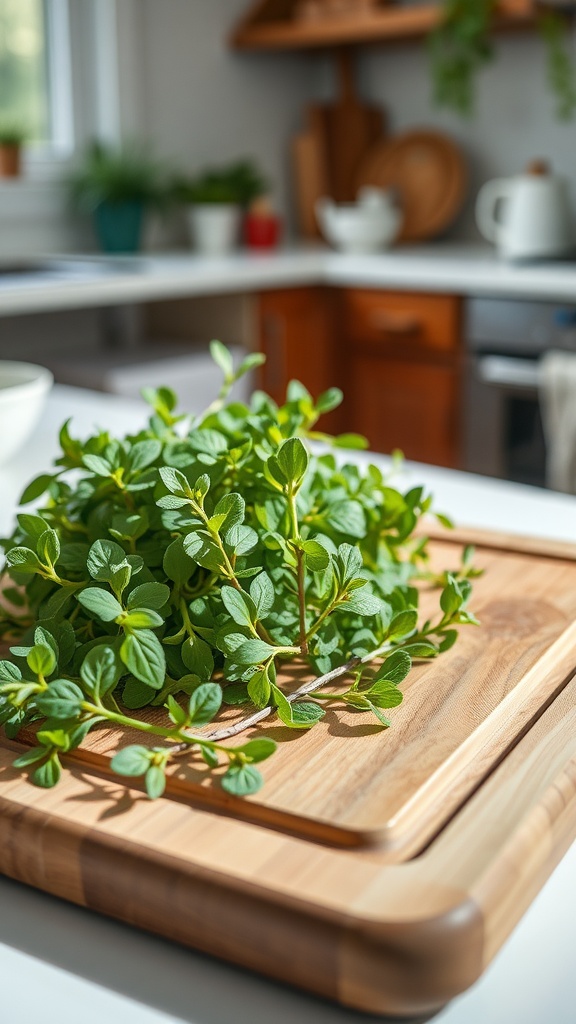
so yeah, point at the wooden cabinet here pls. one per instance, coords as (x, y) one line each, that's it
(396, 356)
(403, 372)
(410, 406)
(402, 324)
(296, 332)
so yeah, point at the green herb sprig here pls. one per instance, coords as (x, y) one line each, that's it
(461, 46)
(186, 565)
(560, 66)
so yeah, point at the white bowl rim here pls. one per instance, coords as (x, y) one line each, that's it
(34, 374)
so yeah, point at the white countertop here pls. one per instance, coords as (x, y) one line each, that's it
(61, 964)
(438, 267)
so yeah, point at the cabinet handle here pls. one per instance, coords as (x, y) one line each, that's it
(392, 322)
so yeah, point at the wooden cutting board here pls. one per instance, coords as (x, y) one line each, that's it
(352, 127)
(316, 880)
(326, 156)
(310, 168)
(428, 172)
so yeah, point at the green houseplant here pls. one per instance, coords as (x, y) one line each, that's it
(215, 200)
(184, 569)
(12, 137)
(462, 45)
(116, 187)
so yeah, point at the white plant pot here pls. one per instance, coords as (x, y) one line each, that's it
(214, 227)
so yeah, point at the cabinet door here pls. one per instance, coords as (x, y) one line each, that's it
(295, 332)
(412, 406)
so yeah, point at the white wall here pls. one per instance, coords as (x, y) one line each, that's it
(205, 104)
(514, 120)
(170, 77)
(198, 102)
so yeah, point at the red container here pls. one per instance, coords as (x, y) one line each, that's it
(262, 231)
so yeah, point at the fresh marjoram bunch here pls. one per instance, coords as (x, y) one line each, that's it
(186, 566)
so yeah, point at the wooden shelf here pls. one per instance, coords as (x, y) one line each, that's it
(264, 28)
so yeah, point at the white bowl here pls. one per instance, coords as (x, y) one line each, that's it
(24, 388)
(358, 227)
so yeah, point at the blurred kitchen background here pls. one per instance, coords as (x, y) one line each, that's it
(378, 195)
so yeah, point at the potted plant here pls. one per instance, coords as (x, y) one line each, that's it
(117, 187)
(11, 140)
(461, 46)
(215, 201)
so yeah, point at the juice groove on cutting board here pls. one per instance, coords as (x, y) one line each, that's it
(350, 783)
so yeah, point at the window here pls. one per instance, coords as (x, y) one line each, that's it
(24, 68)
(35, 83)
(71, 70)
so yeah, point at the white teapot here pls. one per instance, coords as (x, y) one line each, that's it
(528, 216)
(369, 224)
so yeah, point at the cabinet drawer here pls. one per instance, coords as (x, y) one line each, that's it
(402, 322)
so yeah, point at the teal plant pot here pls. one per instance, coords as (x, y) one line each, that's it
(118, 226)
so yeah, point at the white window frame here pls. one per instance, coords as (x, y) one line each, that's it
(60, 76)
(87, 84)
(44, 158)
(101, 96)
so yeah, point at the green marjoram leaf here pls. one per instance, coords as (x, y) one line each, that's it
(170, 582)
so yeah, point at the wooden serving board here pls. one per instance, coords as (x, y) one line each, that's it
(427, 170)
(383, 869)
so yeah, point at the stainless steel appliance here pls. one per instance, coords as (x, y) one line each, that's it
(505, 339)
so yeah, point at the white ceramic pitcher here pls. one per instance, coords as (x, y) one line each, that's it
(528, 216)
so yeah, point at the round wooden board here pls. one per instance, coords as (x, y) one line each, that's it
(429, 173)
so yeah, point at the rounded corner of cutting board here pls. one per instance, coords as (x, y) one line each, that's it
(394, 939)
(437, 956)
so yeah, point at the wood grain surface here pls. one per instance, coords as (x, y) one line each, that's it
(365, 926)
(395, 939)
(414, 325)
(350, 782)
(271, 25)
(428, 172)
(310, 181)
(404, 367)
(327, 153)
(352, 128)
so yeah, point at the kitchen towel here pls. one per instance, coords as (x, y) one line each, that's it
(557, 386)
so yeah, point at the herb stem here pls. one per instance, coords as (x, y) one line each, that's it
(323, 616)
(229, 568)
(217, 404)
(258, 716)
(306, 688)
(185, 739)
(131, 723)
(300, 571)
(188, 627)
(302, 601)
